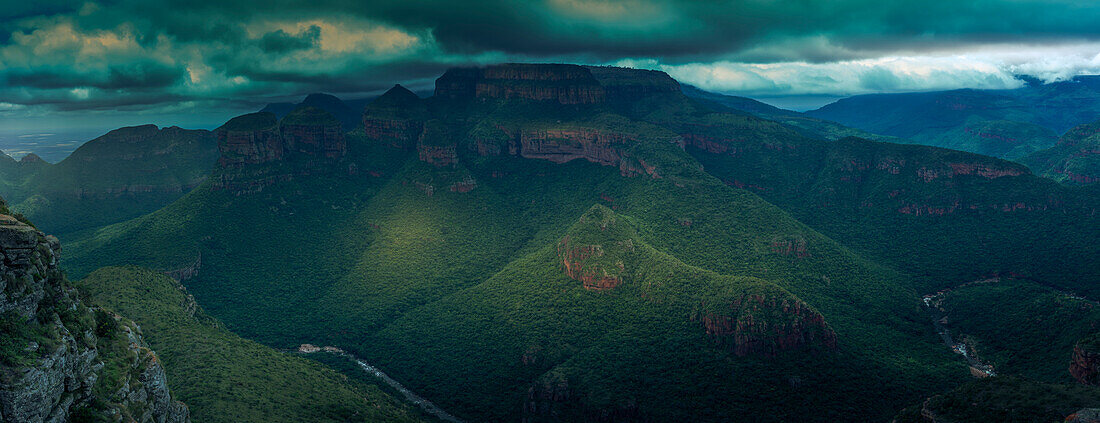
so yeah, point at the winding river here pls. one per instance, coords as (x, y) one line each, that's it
(410, 396)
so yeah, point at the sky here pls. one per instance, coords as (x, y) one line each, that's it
(76, 66)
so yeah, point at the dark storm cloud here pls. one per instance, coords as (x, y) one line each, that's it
(131, 76)
(281, 42)
(75, 53)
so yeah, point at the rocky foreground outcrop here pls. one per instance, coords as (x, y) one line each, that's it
(60, 359)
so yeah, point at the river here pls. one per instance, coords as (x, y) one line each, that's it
(410, 396)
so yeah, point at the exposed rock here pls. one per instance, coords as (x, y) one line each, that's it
(436, 145)
(250, 139)
(625, 84)
(396, 118)
(755, 324)
(564, 84)
(313, 132)
(1085, 415)
(582, 263)
(258, 151)
(1085, 366)
(54, 376)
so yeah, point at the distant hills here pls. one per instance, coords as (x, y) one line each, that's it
(1001, 123)
(118, 176)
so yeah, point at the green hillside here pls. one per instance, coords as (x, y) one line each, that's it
(123, 174)
(1022, 328)
(434, 249)
(1074, 160)
(224, 378)
(1005, 399)
(383, 258)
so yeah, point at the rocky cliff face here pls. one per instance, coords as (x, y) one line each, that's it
(250, 139)
(563, 84)
(314, 132)
(583, 263)
(1085, 366)
(55, 352)
(765, 325)
(257, 150)
(625, 85)
(395, 119)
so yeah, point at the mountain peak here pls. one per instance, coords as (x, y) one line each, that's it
(398, 95)
(31, 158)
(325, 101)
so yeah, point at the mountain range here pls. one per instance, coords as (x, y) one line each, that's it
(553, 242)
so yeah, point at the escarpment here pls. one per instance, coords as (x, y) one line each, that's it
(758, 324)
(61, 358)
(396, 118)
(314, 132)
(557, 83)
(258, 150)
(250, 139)
(625, 85)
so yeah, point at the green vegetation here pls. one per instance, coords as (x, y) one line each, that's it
(452, 279)
(301, 115)
(1006, 399)
(252, 122)
(1075, 160)
(223, 378)
(121, 175)
(1022, 328)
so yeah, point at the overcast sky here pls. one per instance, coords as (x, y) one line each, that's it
(75, 63)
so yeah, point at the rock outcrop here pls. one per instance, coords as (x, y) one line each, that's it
(1085, 415)
(551, 399)
(625, 85)
(250, 139)
(557, 83)
(55, 351)
(596, 249)
(756, 324)
(257, 150)
(314, 132)
(395, 119)
(1085, 366)
(582, 263)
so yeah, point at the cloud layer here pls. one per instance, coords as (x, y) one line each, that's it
(178, 55)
